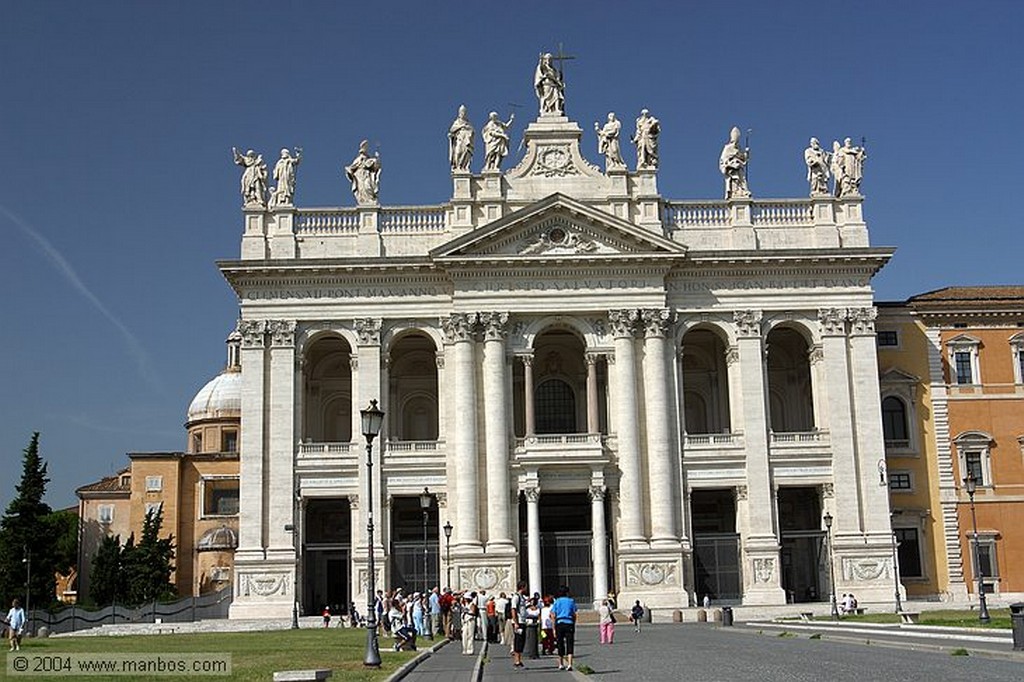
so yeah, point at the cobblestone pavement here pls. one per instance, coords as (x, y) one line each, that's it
(702, 652)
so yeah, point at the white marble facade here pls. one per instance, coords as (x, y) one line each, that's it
(554, 329)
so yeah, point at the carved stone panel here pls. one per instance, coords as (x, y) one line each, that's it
(867, 569)
(485, 578)
(264, 584)
(652, 574)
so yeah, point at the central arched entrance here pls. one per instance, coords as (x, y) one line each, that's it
(566, 544)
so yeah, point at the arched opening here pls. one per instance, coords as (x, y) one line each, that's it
(705, 383)
(894, 423)
(327, 405)
(789, 381)
(412, 379)
(559, 390)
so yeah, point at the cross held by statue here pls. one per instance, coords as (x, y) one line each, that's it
(561, 57)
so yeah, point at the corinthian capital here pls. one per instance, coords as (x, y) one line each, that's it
(623, 322)
(656, 322)
(253, 333)
(495, 326)
(748, 322)
(282, 332)
(863, 320)
(832, 321)
(367, 330)
(459, 326)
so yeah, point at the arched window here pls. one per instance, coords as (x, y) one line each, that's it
(555, 407)
(894, 422)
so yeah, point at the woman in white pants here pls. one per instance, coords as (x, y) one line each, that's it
(469, 615)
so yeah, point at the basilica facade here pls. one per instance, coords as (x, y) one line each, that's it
(584, 383)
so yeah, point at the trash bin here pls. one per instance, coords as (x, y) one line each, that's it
(1017, 618)
(726, 616)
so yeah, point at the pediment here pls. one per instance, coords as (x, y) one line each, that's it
(898, 376)
(964, 340)
(558, 227)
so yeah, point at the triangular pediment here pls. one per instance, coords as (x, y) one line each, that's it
(898, 376)
(558, 227)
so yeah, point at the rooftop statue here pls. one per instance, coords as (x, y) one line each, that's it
(254, 178)
(364, 174)
(817, 160)
(733, 164)
(608, 143)
(645, 138)
(848, 168)
(496, 139)
(550, 87)
(460, 141)
(284, 176)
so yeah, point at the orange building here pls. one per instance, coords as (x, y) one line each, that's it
(976, 367)
(197, 491)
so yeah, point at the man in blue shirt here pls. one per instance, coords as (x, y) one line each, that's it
(435, 613)
(563, 612)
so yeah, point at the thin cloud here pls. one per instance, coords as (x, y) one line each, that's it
(57, 260)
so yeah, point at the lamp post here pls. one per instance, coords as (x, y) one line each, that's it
(293, 529)
(27, 560)
(971, 485)
(448, 552)
(831, 566)
(425, 506)
(896, 567)
(372, 419)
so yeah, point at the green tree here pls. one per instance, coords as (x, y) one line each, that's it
(63, 530)
(147, 566)
(105, 577)
(26, 543)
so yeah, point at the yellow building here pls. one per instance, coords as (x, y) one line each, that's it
(197, 489)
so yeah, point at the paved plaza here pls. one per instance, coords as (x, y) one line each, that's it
(690, 651)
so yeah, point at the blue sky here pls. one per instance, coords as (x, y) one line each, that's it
(117, 120)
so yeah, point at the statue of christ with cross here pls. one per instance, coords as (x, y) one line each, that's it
(550, 84)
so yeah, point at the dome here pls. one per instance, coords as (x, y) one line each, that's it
(221, 397)
(218, 538)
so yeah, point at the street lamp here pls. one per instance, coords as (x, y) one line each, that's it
(971, 485)
(895, 566)
(27, 560)
(372, 419)
(425, 506)
(831, 566)
(448, 552)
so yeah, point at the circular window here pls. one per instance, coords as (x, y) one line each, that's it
(557, 235)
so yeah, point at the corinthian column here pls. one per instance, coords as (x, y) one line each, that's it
(281, 510)
(460, 329)
(533, 538)
(661, 484)
(623, 323)
(599, 528)
(495, 327)
(593, 418)
(531, 420)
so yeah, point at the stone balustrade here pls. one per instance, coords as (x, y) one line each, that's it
(328, 449)
(400, 447)
(326, 221)
(711, 440)
(413, 219)
(783, 213)
(679, 215)
(817, 436)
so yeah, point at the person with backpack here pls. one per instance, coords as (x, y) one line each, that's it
(636, 614)
(518, 617)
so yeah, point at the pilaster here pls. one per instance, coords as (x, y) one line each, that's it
(280, 501)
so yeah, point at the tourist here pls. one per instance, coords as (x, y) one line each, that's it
(436, 615)
(15, 624)
(417, 615)
(519, 621)
(327, 615)
(547, 627)
(470, 612)
(707, 601)
(501, 610)
(481, 615)
(492, 621)
(636, 614)
(564, 612)
(606, 623)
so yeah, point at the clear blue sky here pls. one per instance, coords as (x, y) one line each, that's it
(117, 120)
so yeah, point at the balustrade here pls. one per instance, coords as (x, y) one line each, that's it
(413, 219)
(326, 220)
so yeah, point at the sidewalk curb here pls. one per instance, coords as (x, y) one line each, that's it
(410, 665)
(478, 667)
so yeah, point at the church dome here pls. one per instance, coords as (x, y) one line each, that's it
(218, 538)
(221, 397)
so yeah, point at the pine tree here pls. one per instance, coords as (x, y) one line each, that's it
(26, 544)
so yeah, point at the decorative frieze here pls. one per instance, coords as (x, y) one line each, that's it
(748, 322)
(832, 321)
(367, 330)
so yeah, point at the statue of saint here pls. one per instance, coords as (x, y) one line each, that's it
(733, 164)
(364, 174)
(496, 139)
(254, 178)
(460, 142)
(550, 87)
(817, 160)
(284, 175)
(848, 167)
(646, 140)
(608, 142)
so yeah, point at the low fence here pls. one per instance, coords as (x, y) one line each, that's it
(74, 618)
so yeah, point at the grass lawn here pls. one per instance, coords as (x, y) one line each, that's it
(254, 655)
(960, 619)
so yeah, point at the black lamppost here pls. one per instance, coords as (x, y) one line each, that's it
(448, 552)
(27, 560)
(293, 529)
(831, 566)
(971, 485)
(425, 506)
(372, 418)
(896, 568)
